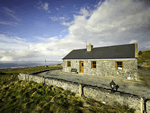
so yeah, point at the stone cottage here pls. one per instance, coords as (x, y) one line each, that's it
(116, 61)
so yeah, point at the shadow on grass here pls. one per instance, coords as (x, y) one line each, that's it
(2, 73)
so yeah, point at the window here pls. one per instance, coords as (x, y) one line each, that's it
(69, 63)
(119, 65)
(93, 64)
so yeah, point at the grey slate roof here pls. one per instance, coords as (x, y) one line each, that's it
(109, 52)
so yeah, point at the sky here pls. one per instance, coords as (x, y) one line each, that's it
(35, 30)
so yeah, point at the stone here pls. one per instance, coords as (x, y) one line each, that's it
(105, 68)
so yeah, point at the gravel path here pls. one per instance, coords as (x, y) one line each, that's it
(128, 86)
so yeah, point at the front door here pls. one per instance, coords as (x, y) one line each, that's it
(81, 67)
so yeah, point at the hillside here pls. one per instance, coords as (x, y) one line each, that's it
(144, 56)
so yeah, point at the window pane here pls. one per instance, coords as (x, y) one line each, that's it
(94, 66)
(69, 63)
(119, 63)
(119, 67)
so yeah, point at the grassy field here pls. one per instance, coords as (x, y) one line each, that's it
(144, 56)
(29, 97)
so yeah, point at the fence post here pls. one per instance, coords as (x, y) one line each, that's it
(80, 89)
(142, 105)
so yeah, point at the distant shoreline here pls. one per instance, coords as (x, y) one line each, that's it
(33, 66)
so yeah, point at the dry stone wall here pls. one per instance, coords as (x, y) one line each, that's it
(106, 68)
(97, 93)
(143, 68)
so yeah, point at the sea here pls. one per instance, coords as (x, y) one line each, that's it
(24, 64)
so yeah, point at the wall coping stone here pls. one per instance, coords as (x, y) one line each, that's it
(44, 71)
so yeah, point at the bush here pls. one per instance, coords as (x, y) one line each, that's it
(140, 52)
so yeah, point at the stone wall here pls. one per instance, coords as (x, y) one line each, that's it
(97, 93)
(143, 68)
(147, 62)
(106, 68)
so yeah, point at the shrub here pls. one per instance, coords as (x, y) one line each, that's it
(140, 52)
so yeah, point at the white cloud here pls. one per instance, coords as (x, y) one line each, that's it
(23, 51)
(57, 9)
(64, 18)
(88, 7)
(59, 18)
(10, 13)
(133, 41)
(54, 18)
(43, 6)
(74, 11)
(62, 6)
(103, 20)
(11, 39)
(84, 12)
(40, 38)
(8, 10)
(6, 59)
(49, 11)
(53, 38)
(8, 23)
(13, 16)
(67, 24)
(64, 30)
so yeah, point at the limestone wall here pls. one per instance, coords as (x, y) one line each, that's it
(106, 68)
(97, 93)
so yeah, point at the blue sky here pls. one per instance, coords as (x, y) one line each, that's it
(49, 29)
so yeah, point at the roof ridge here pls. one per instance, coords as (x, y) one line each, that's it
(106, 46)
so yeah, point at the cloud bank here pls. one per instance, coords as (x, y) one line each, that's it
(111, 23)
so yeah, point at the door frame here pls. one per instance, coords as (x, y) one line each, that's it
(80, 66)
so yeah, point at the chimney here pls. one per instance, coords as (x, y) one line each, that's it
(136, 50)
(89, 47)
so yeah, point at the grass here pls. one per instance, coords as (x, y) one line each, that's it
(144, 56)
(21, 97)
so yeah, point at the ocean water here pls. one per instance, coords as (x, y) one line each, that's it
(23, 64)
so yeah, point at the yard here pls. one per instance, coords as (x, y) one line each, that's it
(21, 97)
